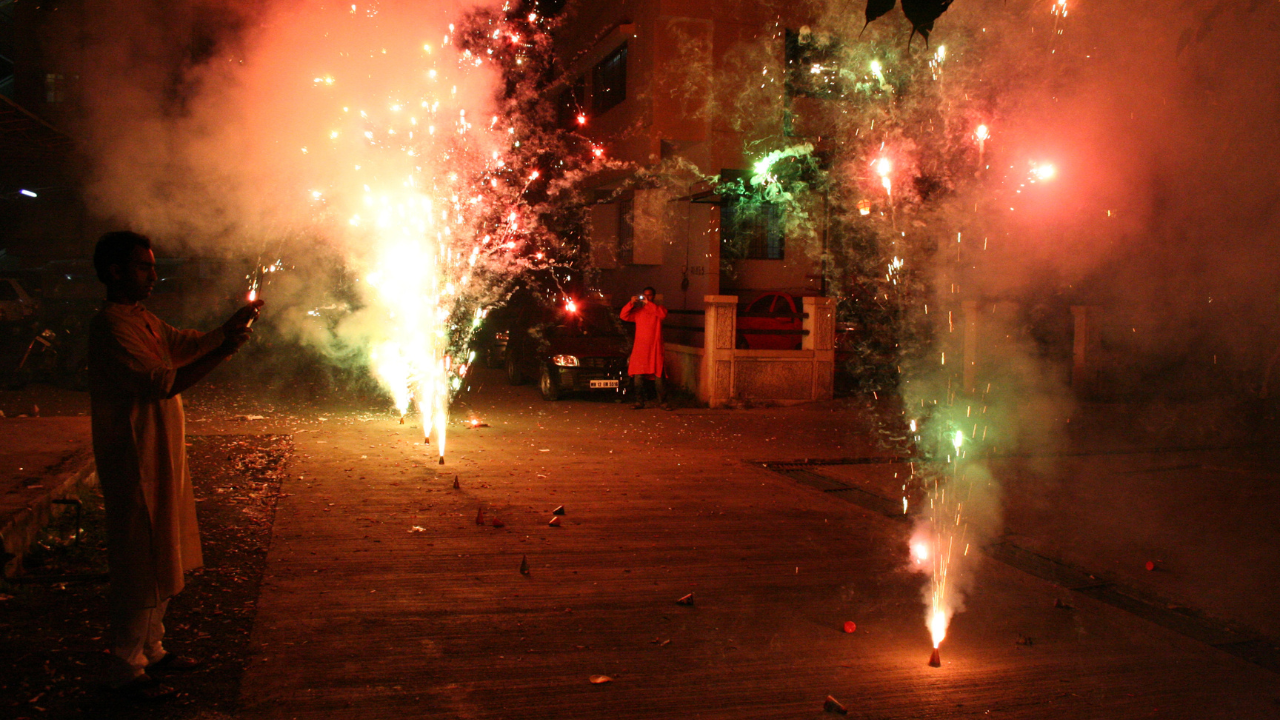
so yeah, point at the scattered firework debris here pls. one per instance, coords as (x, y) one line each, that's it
(686, 600)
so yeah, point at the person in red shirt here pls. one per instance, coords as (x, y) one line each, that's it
(646, 352)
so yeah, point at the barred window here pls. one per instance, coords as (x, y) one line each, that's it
(752, 231)
(609, 81)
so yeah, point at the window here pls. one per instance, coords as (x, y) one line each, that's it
(626, 230)
(609, 81)
(751, 231)
(812, 65)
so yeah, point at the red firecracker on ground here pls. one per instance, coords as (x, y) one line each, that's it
(935, 660)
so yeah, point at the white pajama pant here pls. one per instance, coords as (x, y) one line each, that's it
(136, 635)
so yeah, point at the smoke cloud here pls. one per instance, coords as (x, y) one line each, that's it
(327, 137)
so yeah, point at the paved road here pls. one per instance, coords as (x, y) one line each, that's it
(384, 598)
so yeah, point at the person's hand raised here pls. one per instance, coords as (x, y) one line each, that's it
(244, 315)
(236, 331)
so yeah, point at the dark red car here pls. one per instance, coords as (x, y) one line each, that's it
(771, 311)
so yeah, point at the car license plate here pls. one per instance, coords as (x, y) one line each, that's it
(603, 384)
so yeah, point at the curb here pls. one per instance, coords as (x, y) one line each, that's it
(20, 529)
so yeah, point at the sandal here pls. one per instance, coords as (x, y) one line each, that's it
(144, 688)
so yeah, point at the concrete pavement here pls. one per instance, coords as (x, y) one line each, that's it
(384, 598)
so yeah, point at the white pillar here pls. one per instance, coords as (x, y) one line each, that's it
(715, 382)
(821, 324)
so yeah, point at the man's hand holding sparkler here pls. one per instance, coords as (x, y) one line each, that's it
(237, 329)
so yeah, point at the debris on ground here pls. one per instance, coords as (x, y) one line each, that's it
(833, 705)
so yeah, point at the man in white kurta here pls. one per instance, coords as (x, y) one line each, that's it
(137, 366)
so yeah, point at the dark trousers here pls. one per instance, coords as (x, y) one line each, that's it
(637, 384)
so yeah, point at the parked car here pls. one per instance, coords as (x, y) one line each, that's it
(16, 305)
(771, 311)
(577, 346)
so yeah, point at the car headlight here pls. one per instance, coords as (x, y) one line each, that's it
(565, 360)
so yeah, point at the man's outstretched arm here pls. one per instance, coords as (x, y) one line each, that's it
(236, 333)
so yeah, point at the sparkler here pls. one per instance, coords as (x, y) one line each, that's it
(256, 280)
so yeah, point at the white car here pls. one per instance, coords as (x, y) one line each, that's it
(15, 303)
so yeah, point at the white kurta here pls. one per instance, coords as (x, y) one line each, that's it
(138, 444)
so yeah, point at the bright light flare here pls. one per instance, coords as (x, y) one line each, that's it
(883, 167)
(1043, 171)
(981, 133)
(920, 551)
(571, 306)
(938, 626)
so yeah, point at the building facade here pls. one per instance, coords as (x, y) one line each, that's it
(682, 92)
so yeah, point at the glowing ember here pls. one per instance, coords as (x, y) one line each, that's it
(982, 132)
